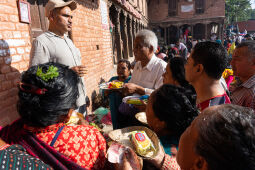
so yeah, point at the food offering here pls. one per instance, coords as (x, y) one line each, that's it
(139, 138)
(112, 85)
(142, 143)
(136, 100)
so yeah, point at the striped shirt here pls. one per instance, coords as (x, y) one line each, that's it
(243, 95)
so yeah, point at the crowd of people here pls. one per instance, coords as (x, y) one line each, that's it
(200, 122)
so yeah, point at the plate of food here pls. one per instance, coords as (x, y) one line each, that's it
(111, 85)
(141, 139)
(136, 100)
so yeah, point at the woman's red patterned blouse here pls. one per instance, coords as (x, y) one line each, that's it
(83, 144)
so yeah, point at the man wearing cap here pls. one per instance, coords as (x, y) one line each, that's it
(54, 45)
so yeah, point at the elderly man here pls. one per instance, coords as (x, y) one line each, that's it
(55, 46)
(148, 70)
(147, 74)
(243, 65)
(203, 70)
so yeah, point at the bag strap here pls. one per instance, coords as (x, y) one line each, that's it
(56, 136)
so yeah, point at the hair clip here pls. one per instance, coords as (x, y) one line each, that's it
(31, 88)
(50, 74)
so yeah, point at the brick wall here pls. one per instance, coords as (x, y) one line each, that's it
(14, 56)
(158, 10)
(15, 43)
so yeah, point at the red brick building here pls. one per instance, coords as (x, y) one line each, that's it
(91, 34)
(174, 19)
(249, 26)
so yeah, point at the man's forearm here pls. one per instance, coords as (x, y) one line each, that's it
(140, 90)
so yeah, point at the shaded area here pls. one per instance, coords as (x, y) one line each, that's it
(9, 76)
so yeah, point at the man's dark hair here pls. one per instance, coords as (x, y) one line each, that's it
(226, 138)
(125, 61)
(176, 106)
(212, 56)
(250, 44)
(49, 108)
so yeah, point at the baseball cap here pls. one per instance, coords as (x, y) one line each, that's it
(52, 4)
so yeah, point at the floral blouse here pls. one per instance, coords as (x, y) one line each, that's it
(83, 144)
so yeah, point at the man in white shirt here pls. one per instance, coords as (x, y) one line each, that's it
(148, 70)
(146, 77)
(183, 50)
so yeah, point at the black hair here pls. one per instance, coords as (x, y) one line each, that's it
(212, 56)
(226, 138)
(176, 106)
(250, 44)
(125, 61)
(49, 108)
(176, 66)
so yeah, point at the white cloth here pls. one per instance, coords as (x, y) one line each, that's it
(149, 76)
(194, 43)
(181, 47)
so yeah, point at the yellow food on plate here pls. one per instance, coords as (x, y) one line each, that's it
(136, 101)
(142, 143)
(115, 85)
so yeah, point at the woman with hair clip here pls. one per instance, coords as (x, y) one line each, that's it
(47, 96)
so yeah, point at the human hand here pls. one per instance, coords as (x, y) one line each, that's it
(130, 88)
(80, 70)
(129, 161)
(158, 159)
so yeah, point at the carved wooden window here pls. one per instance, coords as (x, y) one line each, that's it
(200, 6)
(39, 22)
(172, 7)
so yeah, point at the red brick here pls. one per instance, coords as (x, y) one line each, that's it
(4, 95)
(7, 34)
(21, 26)
(6, 85)
(6, 9)
(3, 17)
(14, 18)
(1, 60)
(15, 81)
(7, 26)
(8, 101)
(5, 69)
(2, 77)
(12, 75)
(23, 65)
(15, 66)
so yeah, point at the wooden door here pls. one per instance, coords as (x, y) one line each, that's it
(39, 22)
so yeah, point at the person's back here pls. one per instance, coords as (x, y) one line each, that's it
(204, 69)
(47, 96)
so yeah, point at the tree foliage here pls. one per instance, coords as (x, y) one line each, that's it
(237, 10)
